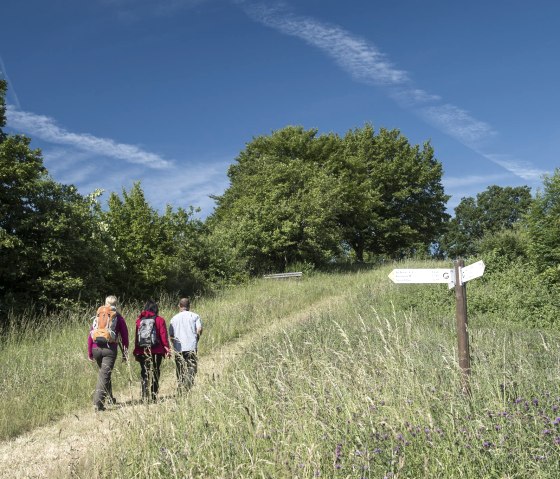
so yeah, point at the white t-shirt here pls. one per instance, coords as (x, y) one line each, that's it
(182, 330)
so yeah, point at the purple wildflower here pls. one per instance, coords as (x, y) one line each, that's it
(557, 421)
(487, 445)
(337, 456)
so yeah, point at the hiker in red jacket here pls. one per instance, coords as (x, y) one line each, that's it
(151, 346)
(105, 356)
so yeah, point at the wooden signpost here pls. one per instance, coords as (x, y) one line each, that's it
(457, 278)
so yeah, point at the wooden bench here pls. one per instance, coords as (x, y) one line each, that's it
(295, 275)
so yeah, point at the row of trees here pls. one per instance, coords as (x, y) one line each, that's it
(295, 198)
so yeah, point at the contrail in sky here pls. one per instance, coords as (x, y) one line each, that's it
(11, 92)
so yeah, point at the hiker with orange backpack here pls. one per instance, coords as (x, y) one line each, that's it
(108, 330)
(150, 347)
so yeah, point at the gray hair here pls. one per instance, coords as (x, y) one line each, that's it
(111, 301)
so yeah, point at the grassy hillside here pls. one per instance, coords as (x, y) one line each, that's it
(333, 376)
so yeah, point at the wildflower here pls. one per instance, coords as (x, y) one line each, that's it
(337, 456)
(557, 440)
(546, 432)
(535, 402)
(487, 445)
(377, 451)
(557, 421)
(497, 427)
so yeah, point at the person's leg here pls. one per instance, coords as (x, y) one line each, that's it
(156, 363)
(105, 358)
(144, 374)
(98, 393)
(192, 365)
(180, 370)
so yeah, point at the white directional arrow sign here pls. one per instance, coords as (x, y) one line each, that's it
(472, 271)
(410, 276)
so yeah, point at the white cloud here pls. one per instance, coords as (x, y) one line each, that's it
(413, 96)
(458, 123)
(190, 184)
(358, 57)
(519, 168)
(472, 180)
(45, 128)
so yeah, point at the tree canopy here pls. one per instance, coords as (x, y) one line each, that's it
(296, 196)
(493, 210)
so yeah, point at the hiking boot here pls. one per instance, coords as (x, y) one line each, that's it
(112, 401)
(98, 408)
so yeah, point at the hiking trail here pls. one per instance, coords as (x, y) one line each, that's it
(60, 449)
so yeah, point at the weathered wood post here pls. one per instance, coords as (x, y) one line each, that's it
(462, 327)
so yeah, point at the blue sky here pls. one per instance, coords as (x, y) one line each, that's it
(169, 92)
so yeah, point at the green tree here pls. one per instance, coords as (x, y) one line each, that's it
(280, 207)
(392, 199)
(543, 222)
(495, 209)
(152, 253)
(48, 247)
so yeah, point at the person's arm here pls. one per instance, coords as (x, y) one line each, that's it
(123, 333)
(90, 347)
(162, 330)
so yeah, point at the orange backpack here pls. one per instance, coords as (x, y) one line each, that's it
(104, 329)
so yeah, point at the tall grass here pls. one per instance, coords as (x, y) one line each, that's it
(368, 386)
(45, 372)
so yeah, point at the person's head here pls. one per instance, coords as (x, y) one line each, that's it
(185, 303)
(111, 301)
(152, 306)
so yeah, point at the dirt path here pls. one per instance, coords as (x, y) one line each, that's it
(61, 449)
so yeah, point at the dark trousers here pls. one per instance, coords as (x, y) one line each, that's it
(149, 372)
(186, 367)
(105, 359)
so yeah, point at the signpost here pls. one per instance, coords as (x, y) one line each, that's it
(457, 278)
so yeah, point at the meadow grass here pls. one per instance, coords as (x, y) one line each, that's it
(368, 386)
(365, 384)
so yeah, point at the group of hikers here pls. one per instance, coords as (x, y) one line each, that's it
(151, 345)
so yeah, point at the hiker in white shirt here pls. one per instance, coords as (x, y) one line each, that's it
(185, 329)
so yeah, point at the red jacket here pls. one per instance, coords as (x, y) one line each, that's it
(161, 328)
